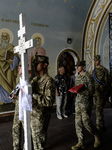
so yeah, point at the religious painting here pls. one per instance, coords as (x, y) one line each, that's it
(8, 69)
(36, 50)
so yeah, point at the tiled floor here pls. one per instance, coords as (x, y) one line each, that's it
(61, 133)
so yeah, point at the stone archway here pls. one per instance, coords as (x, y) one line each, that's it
(94, 25)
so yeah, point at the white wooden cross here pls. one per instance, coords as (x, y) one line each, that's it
(22, 48)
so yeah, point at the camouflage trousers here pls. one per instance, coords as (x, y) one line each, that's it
(39, 124)
(99, 100)
(82, 119)
(17, 129)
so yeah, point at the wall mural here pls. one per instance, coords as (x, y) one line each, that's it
(8, 66)
(39, 49)
(92, 26)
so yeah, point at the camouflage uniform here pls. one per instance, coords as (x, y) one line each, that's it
(43, 98)
(17, 128)
(100, 92)
(83, 105)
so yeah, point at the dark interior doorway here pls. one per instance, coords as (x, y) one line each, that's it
(68, 62)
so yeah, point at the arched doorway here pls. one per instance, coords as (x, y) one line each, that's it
(68, 59)
(68, 62)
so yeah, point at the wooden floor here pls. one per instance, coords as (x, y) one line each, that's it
(61, 133)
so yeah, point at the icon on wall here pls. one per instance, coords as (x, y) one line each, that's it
(8, 66)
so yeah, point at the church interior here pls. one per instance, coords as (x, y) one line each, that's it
(66, 31)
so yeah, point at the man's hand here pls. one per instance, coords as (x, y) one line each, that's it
(72, 91)
(13, 97)
(57, 94)
(22, 91)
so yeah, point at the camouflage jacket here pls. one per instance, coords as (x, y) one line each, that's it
(103, 77)
(88, 88)
(43, 91)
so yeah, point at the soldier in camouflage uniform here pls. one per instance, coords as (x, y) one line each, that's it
(101, 82)
(83, 105)
(17, 124)
(43, 97)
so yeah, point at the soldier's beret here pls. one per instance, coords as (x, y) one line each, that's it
(97, 57)
(40, 58)
(81, 63)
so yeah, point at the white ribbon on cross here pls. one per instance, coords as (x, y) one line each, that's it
(25, 100)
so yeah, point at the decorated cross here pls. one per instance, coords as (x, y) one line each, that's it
(22, 49)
